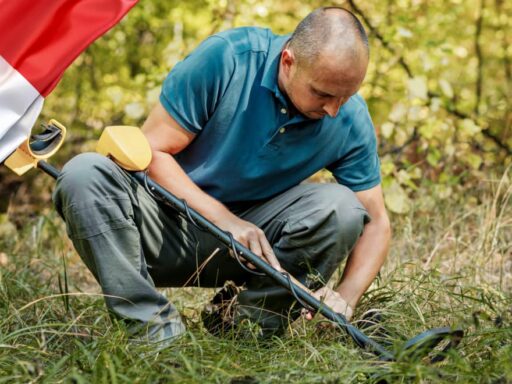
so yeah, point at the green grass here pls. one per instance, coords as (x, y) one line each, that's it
(451, 265)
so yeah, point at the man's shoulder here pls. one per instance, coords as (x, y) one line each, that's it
(355, 114)
(247, 39)
(354, 105)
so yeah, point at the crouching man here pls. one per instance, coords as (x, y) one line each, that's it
(241, 122)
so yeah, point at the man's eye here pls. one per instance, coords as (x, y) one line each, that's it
(322, 95)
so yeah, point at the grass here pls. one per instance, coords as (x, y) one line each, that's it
(451, 265)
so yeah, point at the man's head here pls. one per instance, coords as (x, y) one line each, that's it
(325, 62)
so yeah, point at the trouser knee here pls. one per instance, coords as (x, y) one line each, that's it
(92, 195)
(82, 179)
(341, 212)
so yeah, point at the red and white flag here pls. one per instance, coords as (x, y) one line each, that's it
(39, 39)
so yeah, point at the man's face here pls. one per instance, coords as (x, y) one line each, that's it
(321, 88)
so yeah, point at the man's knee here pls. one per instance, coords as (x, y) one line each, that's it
(82, 175)
(344, 214)
(324, 225)
(92, 196)
(86, 166)
(85, 179)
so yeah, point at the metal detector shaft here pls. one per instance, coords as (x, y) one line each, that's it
(47, 168)
(360, 338)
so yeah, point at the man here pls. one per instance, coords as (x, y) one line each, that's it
(241, 122)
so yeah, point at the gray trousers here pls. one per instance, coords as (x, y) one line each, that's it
(133, 244)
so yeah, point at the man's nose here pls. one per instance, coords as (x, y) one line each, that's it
(332, 107)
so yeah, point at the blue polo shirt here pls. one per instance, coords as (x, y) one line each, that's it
(247, 145)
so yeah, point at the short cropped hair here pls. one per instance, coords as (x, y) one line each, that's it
(316, 31)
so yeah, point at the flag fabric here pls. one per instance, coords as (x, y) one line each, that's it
(38, 41)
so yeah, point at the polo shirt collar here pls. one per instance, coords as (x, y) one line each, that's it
(269, 79)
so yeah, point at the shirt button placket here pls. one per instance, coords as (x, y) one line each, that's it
(283, 111)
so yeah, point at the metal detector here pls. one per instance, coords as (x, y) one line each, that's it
(128, 147)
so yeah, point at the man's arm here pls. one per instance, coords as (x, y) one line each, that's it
(370, 251)
(167, 138)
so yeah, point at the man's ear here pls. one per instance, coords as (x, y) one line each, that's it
(287, 60)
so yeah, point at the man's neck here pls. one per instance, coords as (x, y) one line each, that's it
(292, 111)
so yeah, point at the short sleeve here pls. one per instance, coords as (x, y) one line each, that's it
(358, 167)
(194, 87)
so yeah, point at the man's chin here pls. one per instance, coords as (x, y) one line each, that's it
(315, 115)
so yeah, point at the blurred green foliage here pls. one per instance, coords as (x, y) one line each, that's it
(439, 85)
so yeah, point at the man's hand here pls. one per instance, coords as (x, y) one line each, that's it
(334, 300)
(250, 236)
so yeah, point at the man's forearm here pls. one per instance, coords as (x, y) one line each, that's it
(165, 170)
(365, 261)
